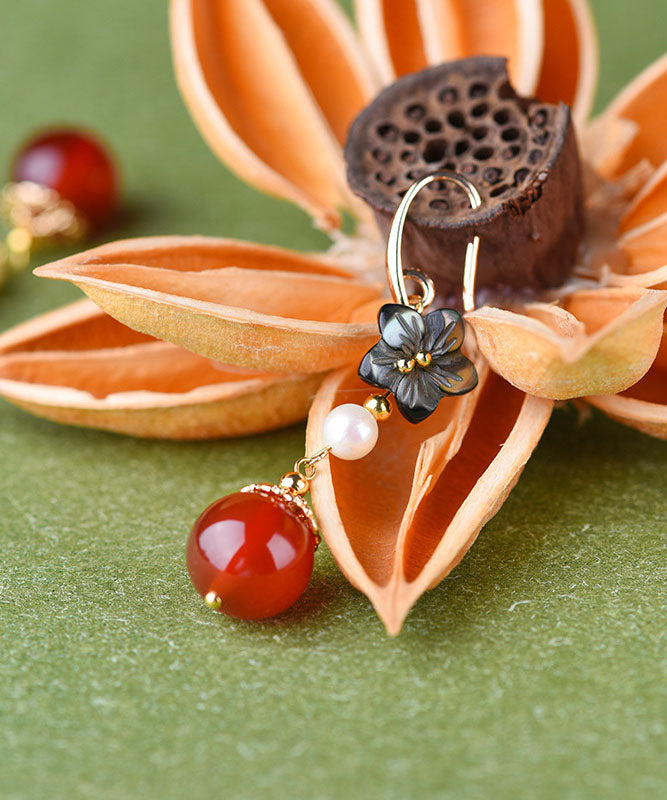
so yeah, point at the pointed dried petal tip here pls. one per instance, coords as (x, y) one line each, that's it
(427, 490)
(599, 342)
(272, 86)
(644, 405)
(519, 152)
(238, 303)
(79, 366)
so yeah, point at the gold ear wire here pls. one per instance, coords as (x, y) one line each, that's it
(396, 275)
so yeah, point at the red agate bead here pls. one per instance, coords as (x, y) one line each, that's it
(250, 555)
(76, 165)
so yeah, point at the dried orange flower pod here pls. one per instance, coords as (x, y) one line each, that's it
(550, 44)
(644, 405)
(399, 520)
(80, 367)
(244, 304)
(267, 101)
(256, 74)
(598, 342)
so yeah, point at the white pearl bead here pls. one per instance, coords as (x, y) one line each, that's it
(351, 431)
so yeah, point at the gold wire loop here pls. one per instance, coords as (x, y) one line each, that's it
(396, 274)
(305, 466)
(427, 296)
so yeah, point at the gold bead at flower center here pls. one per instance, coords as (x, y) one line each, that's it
(405, 365)
(423, 359)
(379, 406)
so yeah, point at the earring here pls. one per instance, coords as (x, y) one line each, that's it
(63, 183)
(418, 358)
(250, 554)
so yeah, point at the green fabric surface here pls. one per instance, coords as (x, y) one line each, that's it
(533, 671)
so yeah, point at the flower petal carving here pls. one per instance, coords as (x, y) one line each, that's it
(79, 366)
(644, 405)
(427, 489)
(418, 359)
(272, 86)
(238, 303)
(599, 342)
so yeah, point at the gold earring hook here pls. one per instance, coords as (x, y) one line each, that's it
(395, 272)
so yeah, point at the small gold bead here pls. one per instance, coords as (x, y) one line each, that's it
(423, 359)
(379, 406)
(293, 482)
(213, 600)
(405, 365)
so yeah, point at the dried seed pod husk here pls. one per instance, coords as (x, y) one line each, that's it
(80, 367)
(625, 243)
(427, 489)
(648, 204)
(644, 405)
(239, 303)
(520, 153)
(550, 45)
(273, 86)
(598, 342)
(634, 115)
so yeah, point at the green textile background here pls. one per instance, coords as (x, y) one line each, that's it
(533, 671)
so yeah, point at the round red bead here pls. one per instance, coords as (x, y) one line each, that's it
(253, 551)
(76, 165)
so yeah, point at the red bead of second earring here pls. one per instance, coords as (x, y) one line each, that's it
(250, 555)
(76, 165)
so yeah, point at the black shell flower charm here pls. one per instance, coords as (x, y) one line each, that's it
(419, 359)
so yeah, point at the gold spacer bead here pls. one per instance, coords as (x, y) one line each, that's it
(294, 483)
(405, 365)
(379, 406)
(423, 359)
(213, 600)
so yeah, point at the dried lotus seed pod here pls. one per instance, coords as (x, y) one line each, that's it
(520, 153)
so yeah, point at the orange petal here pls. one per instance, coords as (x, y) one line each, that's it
(604, 143)
(391, 32)
(273, 86)
(239, 303)
(644, 103)
(570, 63)
(80, 367)
(644, 405)
(600, 342)
(645, 246)
(406, 35)
(649, 203)
(653, 279)
(399, 520)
